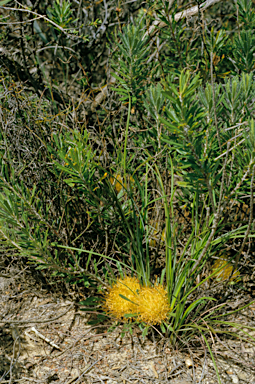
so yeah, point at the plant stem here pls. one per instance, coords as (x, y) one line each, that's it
(125, 143)
(237, 258)
(214, 104)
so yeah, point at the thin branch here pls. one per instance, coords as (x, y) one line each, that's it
(180, 15)
(27, 10)
(239, 184)
(214, 227)
(214, 103)
(237, 258)
(223, 175)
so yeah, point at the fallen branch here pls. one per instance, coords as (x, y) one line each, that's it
(43, 338)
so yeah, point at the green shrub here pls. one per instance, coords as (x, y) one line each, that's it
(83, 200)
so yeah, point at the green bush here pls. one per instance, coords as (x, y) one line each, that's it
(85, 201)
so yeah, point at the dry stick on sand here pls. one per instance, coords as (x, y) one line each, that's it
(43, 338)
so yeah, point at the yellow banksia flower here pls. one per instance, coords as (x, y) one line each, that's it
(153, 307)
(148, 304)
(116, 305)
(226, 270)
(118, 182)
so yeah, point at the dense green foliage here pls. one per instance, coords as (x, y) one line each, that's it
(96, 174)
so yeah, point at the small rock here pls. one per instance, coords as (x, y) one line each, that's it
(235, 379)
(243, 376)
(188, 362)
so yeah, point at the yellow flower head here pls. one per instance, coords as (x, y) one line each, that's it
(226, 270)
(116, 305)
(117, 182)
(153, 305)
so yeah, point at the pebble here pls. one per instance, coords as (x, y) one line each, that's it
(235, 379)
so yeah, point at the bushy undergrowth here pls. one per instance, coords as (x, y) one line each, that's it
(134, 205)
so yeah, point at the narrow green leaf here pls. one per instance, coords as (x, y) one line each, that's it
(125, 298)
(213, 359)
(3, 2)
